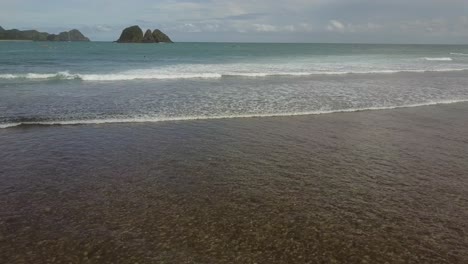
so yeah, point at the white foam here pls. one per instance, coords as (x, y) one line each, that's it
(153, 119)
(141, 76)
(439, 59)
(165, 75)
(7, 125)
(266, 74)
(8, 76)
(107, 77)
(458, 54)
(59, 75)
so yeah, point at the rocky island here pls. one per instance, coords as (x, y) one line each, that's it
(34, 35)
(134, 34)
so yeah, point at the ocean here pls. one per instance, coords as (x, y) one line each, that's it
(233, 153)
(73, 83)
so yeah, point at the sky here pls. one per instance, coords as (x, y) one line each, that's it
(318, 21)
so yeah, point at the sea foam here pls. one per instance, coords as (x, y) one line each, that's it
(154, 119)
(155, 75)
(439, 59)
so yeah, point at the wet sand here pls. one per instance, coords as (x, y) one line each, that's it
(386, 186)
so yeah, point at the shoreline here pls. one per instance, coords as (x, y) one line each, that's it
(384, 186)
(150, 119)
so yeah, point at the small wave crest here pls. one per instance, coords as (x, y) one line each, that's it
(7, 125)
(439, 59)
(458, 54)
(38, 76)
(266, 74)
(138, 76)
(106, 77)
(155, 75)
(154, 119)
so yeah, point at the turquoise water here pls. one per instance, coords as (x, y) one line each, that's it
(42, 82)
(112, 61)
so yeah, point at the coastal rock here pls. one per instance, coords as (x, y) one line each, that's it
(159, 36)
(132, 34)
(63, 36)
(76, 35)
(148, 38)
(72, 35)
(34, 35)
(53, 37)
(15, 34)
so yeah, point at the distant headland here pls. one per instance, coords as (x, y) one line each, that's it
(134, 34)
(34, 35)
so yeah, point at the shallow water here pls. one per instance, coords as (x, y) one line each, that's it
(70, 83)
(373, 186)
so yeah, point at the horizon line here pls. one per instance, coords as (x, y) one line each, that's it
(333, 43)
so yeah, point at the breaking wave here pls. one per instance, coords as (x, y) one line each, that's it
(153, 119)
(38, 76)
(106, 77)
(439, 59)
(154, 74)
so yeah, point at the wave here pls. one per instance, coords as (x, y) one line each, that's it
(106, 77)
(7, 125)
(38, 76)
(439, 59)
(154, 119)
(458, 54)
(150, 75)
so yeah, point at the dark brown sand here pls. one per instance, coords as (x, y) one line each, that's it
(367, 187)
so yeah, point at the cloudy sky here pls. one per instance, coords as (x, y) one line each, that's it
(369, 21)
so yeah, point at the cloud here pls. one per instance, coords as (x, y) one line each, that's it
(432, 21)
(264, 28)
(249, 16)
(335, 25)
(103, 28)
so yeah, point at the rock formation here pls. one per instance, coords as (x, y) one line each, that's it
(134, 34)
(15, 34)
(159, 36)
(148, 37)
(34, 35)
(76, 35)
(72, 35)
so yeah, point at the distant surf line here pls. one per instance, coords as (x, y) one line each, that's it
(439, 59)
(125, 76)
(154, 119)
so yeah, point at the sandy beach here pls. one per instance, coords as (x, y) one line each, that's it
(386, 186)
